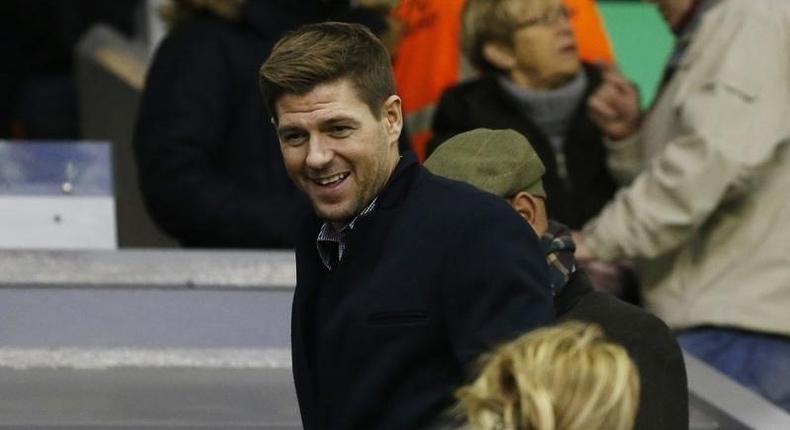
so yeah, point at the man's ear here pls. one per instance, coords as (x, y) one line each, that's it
(499, 55)
(527, 206)
(392, 116)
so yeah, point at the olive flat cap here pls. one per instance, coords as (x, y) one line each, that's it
(501, 162)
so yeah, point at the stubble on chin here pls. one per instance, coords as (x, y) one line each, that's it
(335, 216)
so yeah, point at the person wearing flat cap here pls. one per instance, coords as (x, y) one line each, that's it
(503, 162)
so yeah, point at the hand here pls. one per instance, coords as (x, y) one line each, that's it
(614, 106)
(603, 276)
(583, 253)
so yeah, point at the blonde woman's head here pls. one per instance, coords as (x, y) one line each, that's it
(567, 377)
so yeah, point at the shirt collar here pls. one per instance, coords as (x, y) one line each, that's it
(559, 248)
(393, 192)
(332, 240)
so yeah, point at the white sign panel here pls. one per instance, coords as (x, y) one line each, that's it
(56, 195)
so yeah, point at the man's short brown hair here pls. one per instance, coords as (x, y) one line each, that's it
(321, 53)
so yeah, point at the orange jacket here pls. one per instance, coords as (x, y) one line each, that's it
(427, 60)
(590, 31)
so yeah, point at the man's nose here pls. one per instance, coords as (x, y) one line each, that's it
(319, 153)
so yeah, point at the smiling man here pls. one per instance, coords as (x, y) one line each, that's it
(338, 186)
(403, 278)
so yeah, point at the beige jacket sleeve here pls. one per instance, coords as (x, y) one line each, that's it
(723, 117)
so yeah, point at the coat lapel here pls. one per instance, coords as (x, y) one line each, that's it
(309, 274)
(370, 233)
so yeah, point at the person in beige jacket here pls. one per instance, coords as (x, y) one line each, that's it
(707, 209)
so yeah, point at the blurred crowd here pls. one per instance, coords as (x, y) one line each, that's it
(38, 98)
(678, 209)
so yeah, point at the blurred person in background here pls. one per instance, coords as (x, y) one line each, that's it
(429, 59)
(534, 82)
(38, 97)
(208, 159)
(567, 377)
(503, 162)
(706, 211)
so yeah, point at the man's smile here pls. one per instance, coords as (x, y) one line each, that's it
(330, 180)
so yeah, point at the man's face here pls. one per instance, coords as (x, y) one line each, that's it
(335, 149)
(544, 48)
(673, 10)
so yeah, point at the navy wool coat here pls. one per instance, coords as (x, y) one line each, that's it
(436, 275)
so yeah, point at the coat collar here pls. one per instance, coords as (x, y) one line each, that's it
(372, 230)
(396, 189)
(577, 288)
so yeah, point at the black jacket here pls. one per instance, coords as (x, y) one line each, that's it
(484, 103)
(663, 402)
(437, 274)
(210, 167)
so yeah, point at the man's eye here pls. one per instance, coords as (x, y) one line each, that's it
(340, 131)
(293, 139)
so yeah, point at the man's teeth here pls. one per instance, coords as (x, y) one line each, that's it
(330, 179)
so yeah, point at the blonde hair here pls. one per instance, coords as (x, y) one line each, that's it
(486, 21)
(567, 377)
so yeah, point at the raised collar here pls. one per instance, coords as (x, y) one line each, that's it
(577, 288)
(399, 182)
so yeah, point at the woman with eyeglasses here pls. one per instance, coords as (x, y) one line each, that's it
(533, 81)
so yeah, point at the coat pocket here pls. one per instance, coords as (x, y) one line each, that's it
(397, 318)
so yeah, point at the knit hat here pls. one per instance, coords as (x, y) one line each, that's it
(501, 162)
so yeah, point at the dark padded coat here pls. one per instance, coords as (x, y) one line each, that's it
(436, 275)
(663, 402)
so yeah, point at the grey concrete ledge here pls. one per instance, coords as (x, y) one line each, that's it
(148, 399)
(102, 358)
(180, 269)
(728, 396)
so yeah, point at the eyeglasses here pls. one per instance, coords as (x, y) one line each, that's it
(549, 17)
